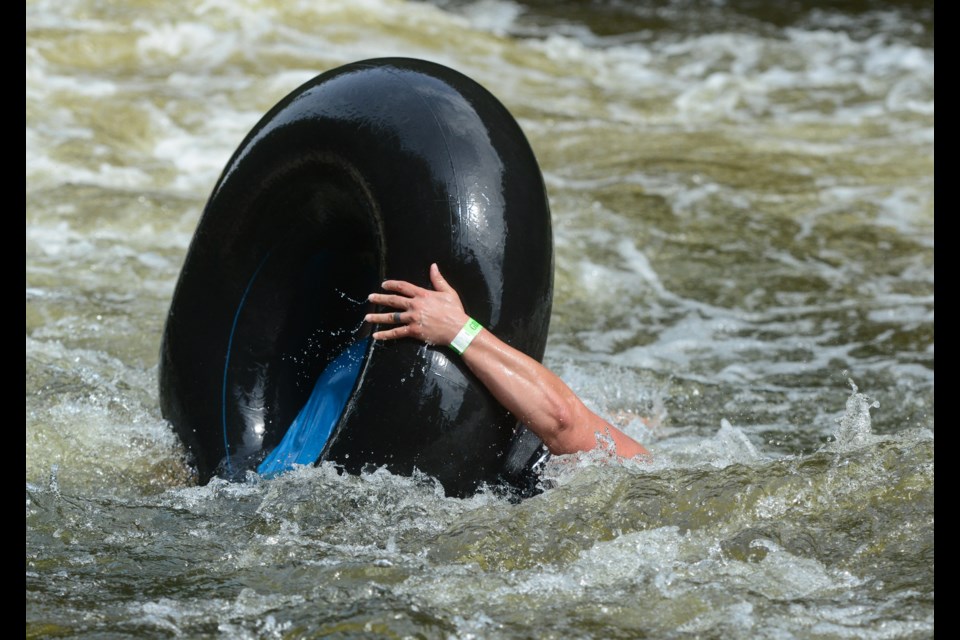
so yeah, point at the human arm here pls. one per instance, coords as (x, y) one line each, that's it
(530, 391)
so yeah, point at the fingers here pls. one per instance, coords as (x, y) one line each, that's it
(409, 290)
(439, 282)
(401, 302)
(389, 300)
(385, 318)
(426, 314)
(394, 317)
(403, 287)
(392, 334)
(402, 331)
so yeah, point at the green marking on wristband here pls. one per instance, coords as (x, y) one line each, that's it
(466, 336)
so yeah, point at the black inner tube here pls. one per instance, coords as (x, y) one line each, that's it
(371, 170)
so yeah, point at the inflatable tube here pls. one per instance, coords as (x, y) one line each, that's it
(369, 171)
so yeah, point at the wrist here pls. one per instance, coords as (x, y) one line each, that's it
(470, 329)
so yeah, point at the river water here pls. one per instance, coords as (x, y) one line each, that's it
(742, 199)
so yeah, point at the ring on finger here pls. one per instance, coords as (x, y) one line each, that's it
(396, 317)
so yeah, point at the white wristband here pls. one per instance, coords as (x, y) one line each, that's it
(466, 336)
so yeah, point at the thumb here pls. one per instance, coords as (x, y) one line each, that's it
(439, 282)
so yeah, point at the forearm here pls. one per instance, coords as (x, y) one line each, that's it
(527, 389)
(540, 399)
(530, 391)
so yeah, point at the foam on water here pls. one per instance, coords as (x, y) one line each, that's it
(94, 420)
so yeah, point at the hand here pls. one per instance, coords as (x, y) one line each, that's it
(433, 316)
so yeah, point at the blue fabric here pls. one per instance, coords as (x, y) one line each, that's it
(310, 430)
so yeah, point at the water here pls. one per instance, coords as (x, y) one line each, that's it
(743, 212)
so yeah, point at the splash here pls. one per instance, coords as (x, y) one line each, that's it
(854, 427)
